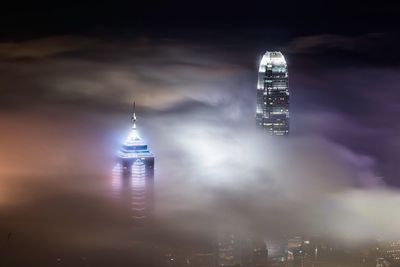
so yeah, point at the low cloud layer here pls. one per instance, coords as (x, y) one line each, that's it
(65, 109)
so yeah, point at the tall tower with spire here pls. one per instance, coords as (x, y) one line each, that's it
(133, 176)
(134, 151)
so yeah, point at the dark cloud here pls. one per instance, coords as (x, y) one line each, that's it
(323, 42)
(43, 48)
(167, 71)
(366, 50)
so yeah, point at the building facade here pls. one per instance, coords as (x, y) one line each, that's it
(272, 111)
(389, 250)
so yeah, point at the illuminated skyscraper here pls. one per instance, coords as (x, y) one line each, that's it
(272, 111)
(135, 149)
(133, 176)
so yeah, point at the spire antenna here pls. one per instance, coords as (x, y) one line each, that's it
(133, 116)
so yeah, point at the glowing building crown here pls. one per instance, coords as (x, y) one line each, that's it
(134, 147)
(272, 59)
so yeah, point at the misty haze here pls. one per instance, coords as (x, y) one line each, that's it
(148, 142)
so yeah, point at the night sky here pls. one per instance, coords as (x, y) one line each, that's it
(69, 73)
